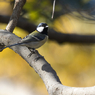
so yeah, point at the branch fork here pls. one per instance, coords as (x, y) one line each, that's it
(39, 64)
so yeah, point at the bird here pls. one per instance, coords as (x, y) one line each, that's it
(35, 39)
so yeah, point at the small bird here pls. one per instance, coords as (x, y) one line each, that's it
(35, 39)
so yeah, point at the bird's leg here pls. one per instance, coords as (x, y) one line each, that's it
(32, 51)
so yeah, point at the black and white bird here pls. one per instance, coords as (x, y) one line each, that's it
(35, 39)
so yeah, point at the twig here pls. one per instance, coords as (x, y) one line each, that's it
(53, 9)
(15, 15)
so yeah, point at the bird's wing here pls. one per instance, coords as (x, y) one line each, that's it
(33, 37)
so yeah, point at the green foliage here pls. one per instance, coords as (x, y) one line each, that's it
(39, 11)
(73, 63)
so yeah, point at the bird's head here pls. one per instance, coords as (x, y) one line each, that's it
(42, 28)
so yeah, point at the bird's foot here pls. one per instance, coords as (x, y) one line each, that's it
(32, 52)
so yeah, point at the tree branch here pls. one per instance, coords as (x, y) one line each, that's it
(15, 15)
(40, 65)
(71, 38)
(53, 35)
(43, 68)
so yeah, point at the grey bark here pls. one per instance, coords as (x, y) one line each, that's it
(38, 63)
(43, 68)
(15, 15)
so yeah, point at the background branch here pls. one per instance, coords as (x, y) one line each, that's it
(15, 15)
(39, 64)
(53, 35)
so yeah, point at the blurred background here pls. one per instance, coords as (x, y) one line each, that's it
(74, 63)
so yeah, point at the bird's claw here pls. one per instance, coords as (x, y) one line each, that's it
(33, 51)
(31, 54)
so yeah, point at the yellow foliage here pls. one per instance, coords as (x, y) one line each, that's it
(74, 63)
(5, 8)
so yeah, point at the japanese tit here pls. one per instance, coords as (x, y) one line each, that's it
(35, 39)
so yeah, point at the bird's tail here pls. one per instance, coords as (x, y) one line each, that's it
(12, 45)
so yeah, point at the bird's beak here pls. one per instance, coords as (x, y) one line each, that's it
(46, 26)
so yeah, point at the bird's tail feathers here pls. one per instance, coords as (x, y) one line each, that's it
(12, 45)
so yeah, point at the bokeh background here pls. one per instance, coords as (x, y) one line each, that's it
(74, 63)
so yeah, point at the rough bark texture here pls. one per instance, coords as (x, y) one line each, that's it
(39, 64)
(43, 68)
(15, 15)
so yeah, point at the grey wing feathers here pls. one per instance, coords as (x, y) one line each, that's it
(32, 38)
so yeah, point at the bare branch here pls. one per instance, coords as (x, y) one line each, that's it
(15, 15)
(40, 65)
(43, 68)
(71, 38)
(53, 35)
(53, 9)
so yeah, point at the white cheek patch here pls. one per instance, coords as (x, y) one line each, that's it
(40, 29)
